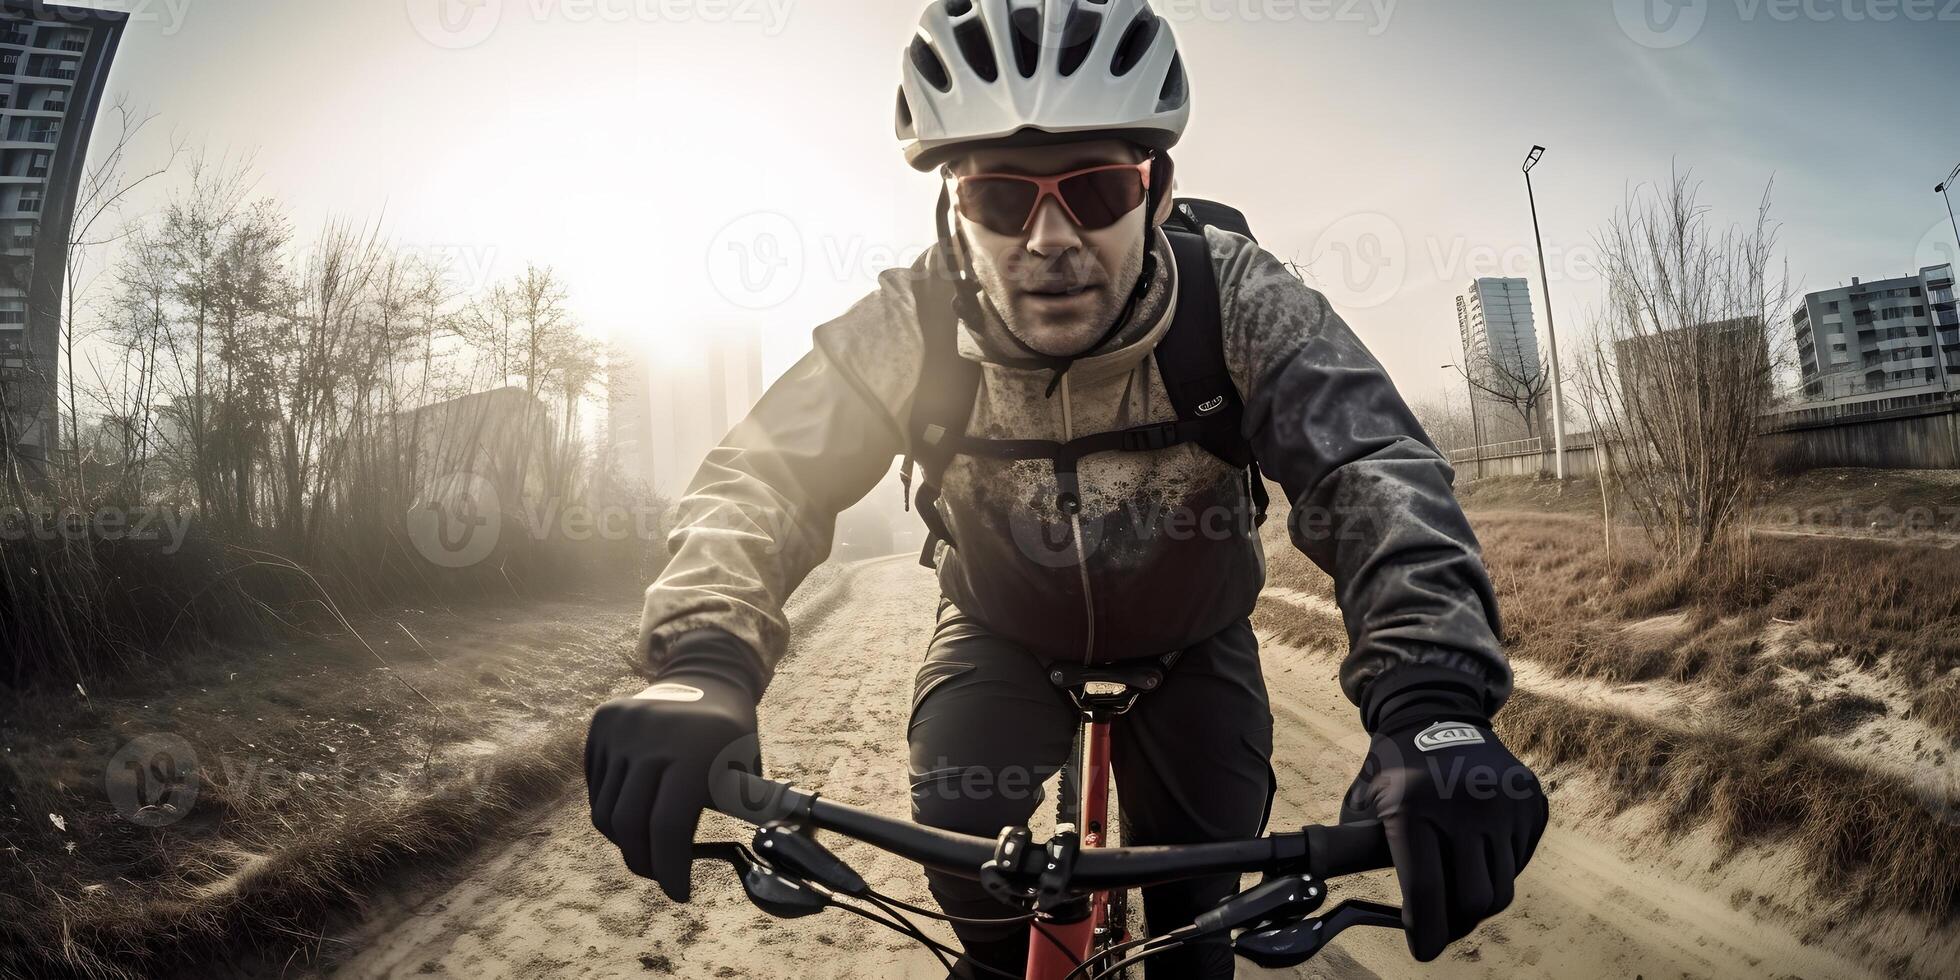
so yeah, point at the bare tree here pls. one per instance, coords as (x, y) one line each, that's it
(1679, 367)
(1516, 385)
(1446, 418)
(100, 196)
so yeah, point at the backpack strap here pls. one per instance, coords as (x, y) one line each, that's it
(1191, 361)
(942, 404)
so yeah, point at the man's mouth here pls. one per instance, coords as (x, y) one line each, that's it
(1060, 289)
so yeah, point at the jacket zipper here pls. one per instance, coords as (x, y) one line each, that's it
(1075, 528)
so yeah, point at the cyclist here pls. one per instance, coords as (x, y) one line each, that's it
(1049, 122)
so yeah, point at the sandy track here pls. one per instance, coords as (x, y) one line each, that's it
(556, 902)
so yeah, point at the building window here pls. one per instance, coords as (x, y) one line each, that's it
(29, 205)
(13, 316)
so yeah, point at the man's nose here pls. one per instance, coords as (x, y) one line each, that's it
(1052, 233)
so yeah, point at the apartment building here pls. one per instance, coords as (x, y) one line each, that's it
(1886, 337)
(1500, 350)
(54, 61)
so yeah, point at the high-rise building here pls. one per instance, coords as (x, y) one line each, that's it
(665, 413)
(54, 61)
(1500, 351)
(1886, 337)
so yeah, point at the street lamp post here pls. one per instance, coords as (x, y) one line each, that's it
(1551, 331)
(1940, 188)
(1476, 431)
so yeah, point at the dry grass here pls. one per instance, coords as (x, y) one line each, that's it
(1751, 774)
(276, 889)
(1869, 842)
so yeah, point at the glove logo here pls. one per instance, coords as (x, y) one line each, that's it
(669, 692)
(1444, 734)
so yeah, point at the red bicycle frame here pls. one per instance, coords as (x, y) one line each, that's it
(1046, 960)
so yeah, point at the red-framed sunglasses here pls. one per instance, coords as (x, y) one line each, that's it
(1092, 197)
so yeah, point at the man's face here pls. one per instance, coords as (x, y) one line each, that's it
(1056, 286)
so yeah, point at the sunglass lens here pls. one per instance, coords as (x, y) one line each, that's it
(1100, 197)
(1000, 204)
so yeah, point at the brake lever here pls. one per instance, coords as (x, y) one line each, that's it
(791, 851)
(1283, 899)
(780, 895)
(1291, 945)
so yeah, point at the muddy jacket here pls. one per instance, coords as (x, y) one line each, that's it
(1164, 555)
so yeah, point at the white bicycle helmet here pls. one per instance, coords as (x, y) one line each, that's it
(1030, 72)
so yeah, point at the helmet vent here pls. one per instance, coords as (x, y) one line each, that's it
(1135, 44)
(1173, 94)
(958, 8)
(1078, 36)
(1026, 31)
(926, 60)
(976, 49)
(904, 125)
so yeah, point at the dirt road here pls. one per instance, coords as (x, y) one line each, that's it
(1601, 899)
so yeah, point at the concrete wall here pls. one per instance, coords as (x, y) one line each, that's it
(1914, 438)
(1925, 437)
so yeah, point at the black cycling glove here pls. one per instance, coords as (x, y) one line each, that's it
(649, 757)
(1462, 814)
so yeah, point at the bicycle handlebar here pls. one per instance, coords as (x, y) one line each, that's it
(1325, 852)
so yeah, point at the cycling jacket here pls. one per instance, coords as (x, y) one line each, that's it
(1161, 553)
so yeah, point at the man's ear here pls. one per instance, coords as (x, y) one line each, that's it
(1163, 175)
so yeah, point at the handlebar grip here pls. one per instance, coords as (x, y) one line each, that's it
(1347, 849)
(753, 799)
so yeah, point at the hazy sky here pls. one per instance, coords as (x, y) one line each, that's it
(685, 164)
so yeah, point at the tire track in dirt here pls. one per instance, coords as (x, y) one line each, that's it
(557, 902)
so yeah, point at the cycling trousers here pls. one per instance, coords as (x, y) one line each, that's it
(1192, 761)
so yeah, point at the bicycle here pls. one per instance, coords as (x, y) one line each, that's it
(1072, 887)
